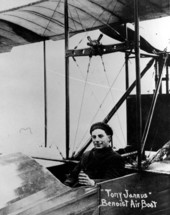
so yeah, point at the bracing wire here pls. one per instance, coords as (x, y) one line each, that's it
(72, 17)
(81, 107)
(106, 23)
(85, 35)
(96, 19)
(88, 69)
(80, 20)
(100, 106)
(85, 31)
(59, 151)
(112, 97)
(109, 90)
(99, 103)
(102, 13)
(52, 17)
(84, 80)
(113, 10)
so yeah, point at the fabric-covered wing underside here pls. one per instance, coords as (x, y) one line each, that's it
(44, 19)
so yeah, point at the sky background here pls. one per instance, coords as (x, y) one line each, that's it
(22, 91)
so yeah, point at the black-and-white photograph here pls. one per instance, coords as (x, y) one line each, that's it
(84, 107)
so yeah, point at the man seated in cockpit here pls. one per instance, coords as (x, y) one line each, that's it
(99, 164)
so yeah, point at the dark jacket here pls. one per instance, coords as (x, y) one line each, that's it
(99, 165)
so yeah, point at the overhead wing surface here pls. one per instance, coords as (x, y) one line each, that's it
(44, 19)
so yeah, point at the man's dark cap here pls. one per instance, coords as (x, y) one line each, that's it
(103, 126)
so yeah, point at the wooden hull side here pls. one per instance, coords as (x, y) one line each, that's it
(78, 201)
(27, 188)
(147, 193)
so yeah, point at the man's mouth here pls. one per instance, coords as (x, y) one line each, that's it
(98, 145)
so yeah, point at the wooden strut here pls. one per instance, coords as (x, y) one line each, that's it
(151, 111)
(115, 108)
(100, 49)
(55, 160)
(45, 94)
(67, 102)
(138, 82)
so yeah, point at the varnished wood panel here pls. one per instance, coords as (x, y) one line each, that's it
(147, 193)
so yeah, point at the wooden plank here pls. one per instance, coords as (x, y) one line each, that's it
(146, 193)
(25, 182)
(34, 190)
(75, 201)
(100, 50)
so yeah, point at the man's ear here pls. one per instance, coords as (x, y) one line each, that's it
(110, 138)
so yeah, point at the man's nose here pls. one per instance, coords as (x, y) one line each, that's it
(97, 138)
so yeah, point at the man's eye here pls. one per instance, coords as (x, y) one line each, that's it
(100, 136)
(93, 137)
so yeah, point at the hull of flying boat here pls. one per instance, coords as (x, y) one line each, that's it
(29, 188)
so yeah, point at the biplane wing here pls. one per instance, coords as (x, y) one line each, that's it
(44, 19)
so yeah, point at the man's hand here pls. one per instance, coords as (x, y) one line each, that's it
(85, 180)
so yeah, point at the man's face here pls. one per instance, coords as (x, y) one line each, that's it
(100, 139)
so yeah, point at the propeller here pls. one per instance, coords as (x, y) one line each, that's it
(93, 43)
